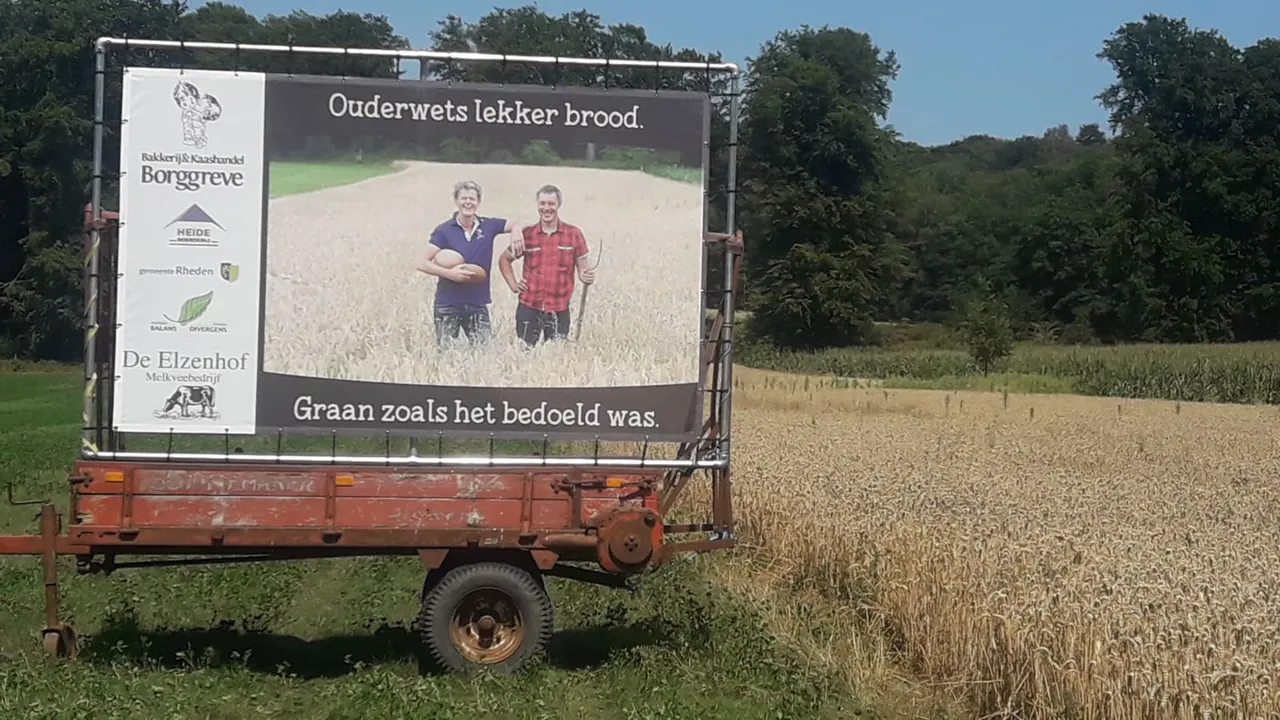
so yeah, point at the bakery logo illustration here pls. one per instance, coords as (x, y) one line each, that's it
(229, 271)
(192, 310)
(195, 228)
(198, 110)
(195, 168)
(189, 402)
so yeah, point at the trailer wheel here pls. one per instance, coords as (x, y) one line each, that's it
(488, 614)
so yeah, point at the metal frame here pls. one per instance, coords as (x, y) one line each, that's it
(587, 504)
(710, 451)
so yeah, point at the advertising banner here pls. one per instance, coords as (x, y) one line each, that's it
(515, 261)
(188, 290)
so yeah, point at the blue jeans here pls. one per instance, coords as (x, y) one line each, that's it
(471, 320)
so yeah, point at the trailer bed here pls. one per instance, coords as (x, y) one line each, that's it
(516, 525)
(139, 505)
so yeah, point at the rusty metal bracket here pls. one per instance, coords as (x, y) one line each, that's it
(573, 486)
(19, 503)
(732, 241)
(596, 483)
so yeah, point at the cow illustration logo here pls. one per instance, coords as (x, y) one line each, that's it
(230, 271)
(186, 397)
(198, 110)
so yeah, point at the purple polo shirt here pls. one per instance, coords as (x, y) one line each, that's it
(478, 250)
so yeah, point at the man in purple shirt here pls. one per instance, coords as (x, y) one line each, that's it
(462, 306)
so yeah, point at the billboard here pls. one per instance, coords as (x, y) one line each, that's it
(321, 254)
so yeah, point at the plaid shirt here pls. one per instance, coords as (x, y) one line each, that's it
(549, 266)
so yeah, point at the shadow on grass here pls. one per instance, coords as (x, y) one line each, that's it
(591, 647)
(226, 645)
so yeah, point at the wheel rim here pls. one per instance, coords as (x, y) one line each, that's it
(53, 646)
(60, 642)
(487, 627)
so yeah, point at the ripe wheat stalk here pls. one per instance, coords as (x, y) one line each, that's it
(1095, 558)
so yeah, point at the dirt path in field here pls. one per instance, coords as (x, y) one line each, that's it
(344, 299)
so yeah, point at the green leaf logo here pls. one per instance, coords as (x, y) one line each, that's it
(193, 308)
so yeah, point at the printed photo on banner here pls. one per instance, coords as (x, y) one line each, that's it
(529, 249)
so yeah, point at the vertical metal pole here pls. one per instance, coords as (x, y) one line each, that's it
(730, 301)
(49, 564)
(89, 434)
(722, 492)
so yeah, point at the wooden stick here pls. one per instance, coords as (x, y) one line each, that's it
(582, 305)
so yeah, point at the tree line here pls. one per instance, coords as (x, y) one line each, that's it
(1162, 230)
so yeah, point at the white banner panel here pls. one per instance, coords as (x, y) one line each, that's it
(191, 196)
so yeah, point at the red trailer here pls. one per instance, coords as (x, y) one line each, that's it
(487, 527)
(485, 536)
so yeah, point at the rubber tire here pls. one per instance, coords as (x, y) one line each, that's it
(528, 592)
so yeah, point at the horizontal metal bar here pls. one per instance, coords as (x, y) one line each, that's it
(595, 577)
(666, 552)
(471, 461)
(34, 545)
(731, 68)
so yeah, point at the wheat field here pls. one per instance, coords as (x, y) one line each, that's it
(344, 299)
(1032, 556)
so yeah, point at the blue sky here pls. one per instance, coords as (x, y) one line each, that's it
(1001, 67)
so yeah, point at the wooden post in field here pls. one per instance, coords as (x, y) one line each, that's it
(591, 152)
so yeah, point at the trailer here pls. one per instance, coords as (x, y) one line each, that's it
(487, 524)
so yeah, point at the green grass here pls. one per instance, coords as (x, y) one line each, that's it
(1237, 373)
(331, 638)
(291, 178)
(678, 173)
(341, 167)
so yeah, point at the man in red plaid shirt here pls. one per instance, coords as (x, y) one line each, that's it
(553, 250)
